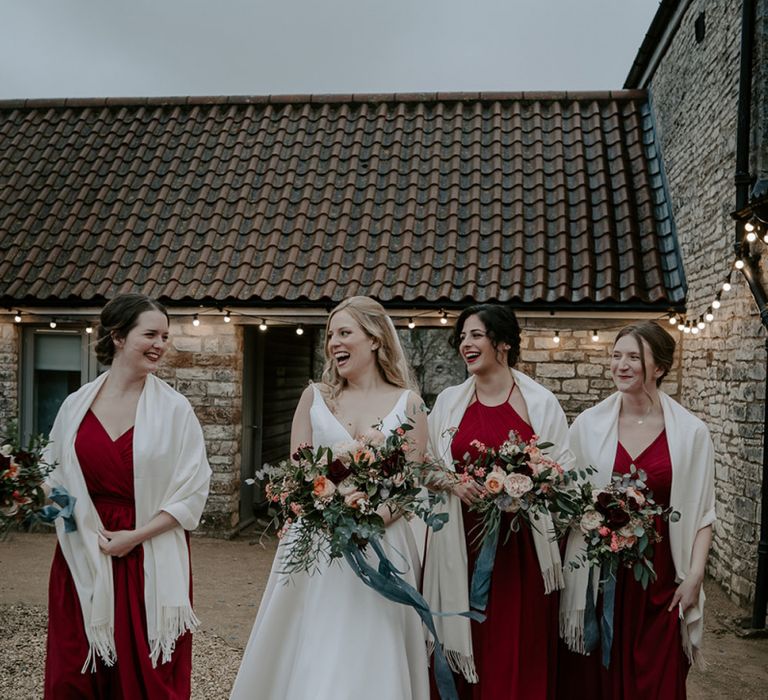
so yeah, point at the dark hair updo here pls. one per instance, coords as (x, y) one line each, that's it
(661, 344)
(118, 318)
(501, 326)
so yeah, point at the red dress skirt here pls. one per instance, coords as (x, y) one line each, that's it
(515, 649)
(647, 657)
(108, 470)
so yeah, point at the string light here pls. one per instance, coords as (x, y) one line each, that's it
(695, 330)
(716, 304)
(411, 324)
(726, 286)
(89, 329)
(195, 321)
(263, 325)
(672, 319)
(556, 339)
(709, 316)
(227, 317)
(300, 330)
(687, 327)
(739, 264)
(751, 237)
(17, 317)
(749, 227)
(52, 324)
(701, 325)
(595, 336)
(765, 237)
(443, 318)
(681, 326)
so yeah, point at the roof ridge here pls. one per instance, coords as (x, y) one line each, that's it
(523, 96)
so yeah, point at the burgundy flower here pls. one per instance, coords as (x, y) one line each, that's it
(617, 518)
(5, 462)
(392, 463)
(337, 472)
(25, 459)
(604, 503)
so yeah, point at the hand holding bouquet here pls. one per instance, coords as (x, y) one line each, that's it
(331, 498)
(619, 526)
(518, 478)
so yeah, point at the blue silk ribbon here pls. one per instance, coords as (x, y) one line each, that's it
(387, 582)
(66, 509)
(481, 576)
(600, 634)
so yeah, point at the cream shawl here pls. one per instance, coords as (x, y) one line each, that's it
(446, 580)
(171, 474)
(594, 440)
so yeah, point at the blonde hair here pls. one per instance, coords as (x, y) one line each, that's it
(377, 325)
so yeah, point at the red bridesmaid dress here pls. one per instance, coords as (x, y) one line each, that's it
(107, 466)
(515, 649)
(647, 657)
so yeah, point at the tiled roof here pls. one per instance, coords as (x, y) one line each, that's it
(543, 199)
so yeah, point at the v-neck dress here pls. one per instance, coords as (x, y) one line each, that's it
(107, 467)
(515, 649)
(328, 635)
(647, 657)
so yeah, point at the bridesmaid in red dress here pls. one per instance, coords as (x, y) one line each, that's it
(513, 653)
(645, 427)
(134, 334)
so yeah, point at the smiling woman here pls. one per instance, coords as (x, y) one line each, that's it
(130, 451)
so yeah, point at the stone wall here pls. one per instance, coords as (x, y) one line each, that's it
(9, 371)
(205, 363)
(694, 96)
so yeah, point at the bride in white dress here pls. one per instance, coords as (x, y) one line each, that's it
(328, 636)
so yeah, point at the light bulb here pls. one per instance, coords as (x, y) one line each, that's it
(263, 325)
(227, 317)
(17, 317)
(686, 328)
(701, 325)
(89, 329)
(726, 286)
(595, 336)
(300, 330)
(695, 330)
(411, 324)
(709, 316)
(52, 324)
(749, 227)
(751, 237)
(716, 304)
(444, 318)
(765, 237)
(739, 264)
(672, 320)
(556, 339)
(195, 321)
(681, 326)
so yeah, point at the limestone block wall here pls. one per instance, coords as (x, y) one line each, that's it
(694, 94)
(9, 371)
(205, 363)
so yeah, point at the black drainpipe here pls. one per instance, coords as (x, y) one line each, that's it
(751, 274)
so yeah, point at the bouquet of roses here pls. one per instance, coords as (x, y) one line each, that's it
(518, 478)
(22, 472)
(329, 499)
(619, 526)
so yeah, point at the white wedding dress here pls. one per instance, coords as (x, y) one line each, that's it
(328, 636)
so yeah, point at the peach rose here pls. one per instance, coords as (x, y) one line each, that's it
(634, 493)
(494, 482)
(356, 499)
(534, 454)
(322, 488)
(591, 520)
(517, 485)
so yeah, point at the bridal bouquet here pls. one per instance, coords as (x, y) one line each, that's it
(22, 472)
(518, 478)
(328, 499)
(619, 526)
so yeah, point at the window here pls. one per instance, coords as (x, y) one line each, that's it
(54, 364)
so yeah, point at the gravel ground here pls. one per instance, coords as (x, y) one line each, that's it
(229, 579)
(22, 639)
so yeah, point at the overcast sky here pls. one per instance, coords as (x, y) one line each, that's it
(89, 48)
